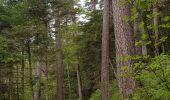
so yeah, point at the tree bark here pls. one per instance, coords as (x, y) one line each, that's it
(125, 47)
(105, 53)
(79, 83)
(59, 69)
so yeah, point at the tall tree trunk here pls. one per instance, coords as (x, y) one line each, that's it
(125, 47)
(59, 69)
(79, 83)
(30, 69)
(105, 53)
(22, 74)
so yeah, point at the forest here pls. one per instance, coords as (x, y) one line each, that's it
(84, 49)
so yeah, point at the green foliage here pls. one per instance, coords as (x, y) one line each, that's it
(113, 92)
(153, 78)
(96, 95)
(89, 49)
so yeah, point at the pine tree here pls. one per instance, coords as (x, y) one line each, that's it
(125, 47)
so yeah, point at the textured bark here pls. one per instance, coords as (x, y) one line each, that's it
(30, 69)
(79, 83)
(59, 69)
(125, 46)
(105, 53)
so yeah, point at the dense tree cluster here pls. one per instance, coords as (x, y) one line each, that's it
(119, 51)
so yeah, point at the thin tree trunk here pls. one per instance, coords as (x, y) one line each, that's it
(137, 35)
(144, 48)
(17, 85)
(114, 69)
(30, 69)
(10, 85)
(138, 31)
(46, 83)
(37, 82)
(94, 4)
(125, 47)
(59, 69)
(69, 85)
(156, 30)
(79, 83)
(105, 53)
(22, 73)
(47, 65)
